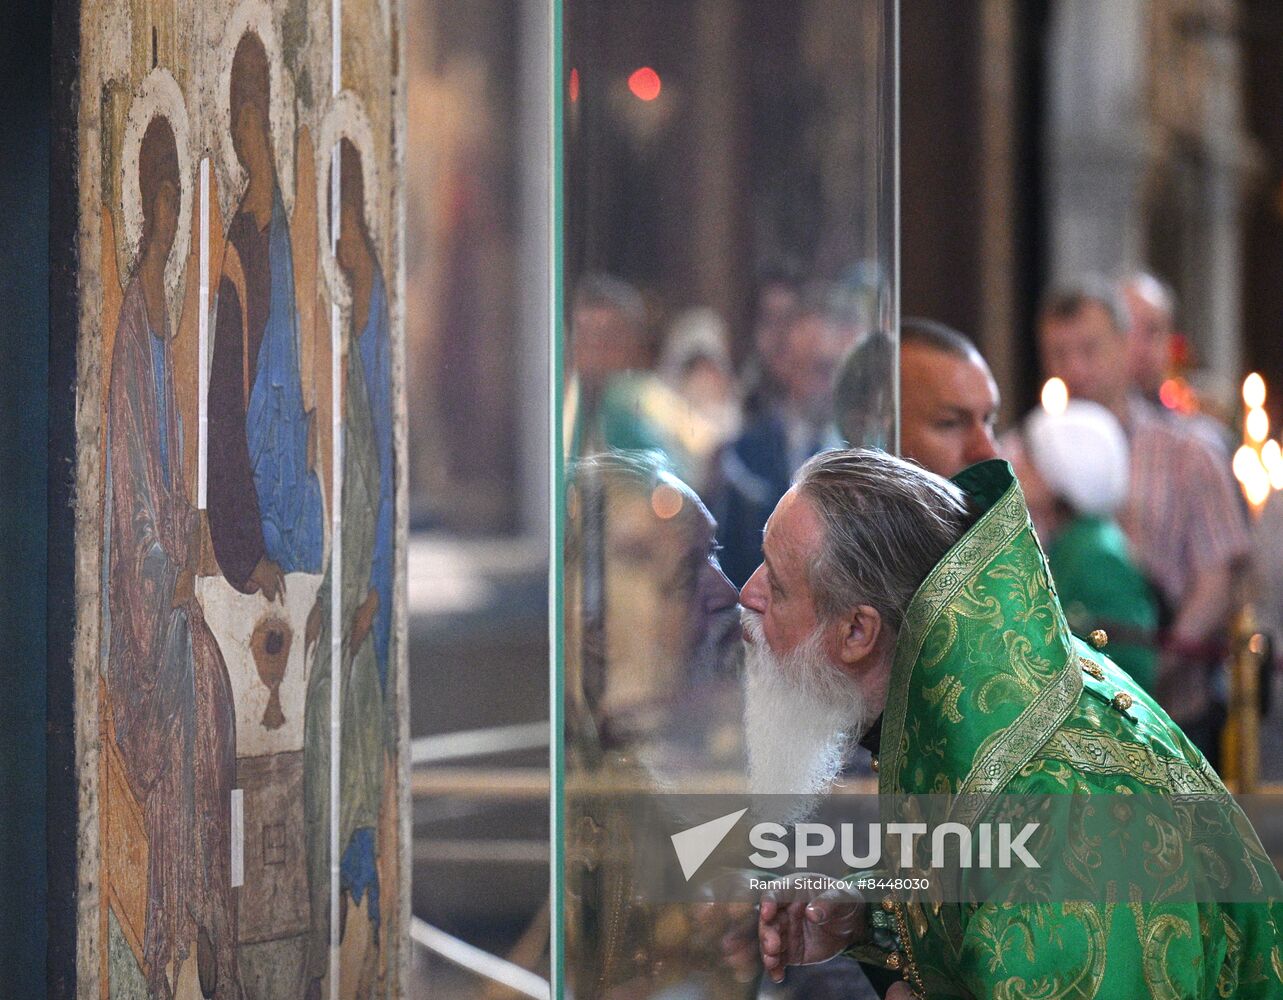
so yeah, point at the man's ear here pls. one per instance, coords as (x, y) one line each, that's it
(859, 631)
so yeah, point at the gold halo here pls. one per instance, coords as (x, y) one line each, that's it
(345, 118)
(157, 96)
(255, 16)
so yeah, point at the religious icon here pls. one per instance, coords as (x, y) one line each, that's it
(214, 331)
(167, 685)
(265, 509)
(367, 498)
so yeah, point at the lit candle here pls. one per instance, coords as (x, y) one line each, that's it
(1254, 391)
(1055, 396)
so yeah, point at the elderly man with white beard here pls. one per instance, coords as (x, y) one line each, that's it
(918, 614)
(801, 712)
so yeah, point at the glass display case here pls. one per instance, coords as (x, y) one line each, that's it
(709, 253)
(728, 244)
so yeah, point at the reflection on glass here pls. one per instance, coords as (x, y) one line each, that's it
(465, 285)
(729, 247)
(652, 682)
(476, 283)
(657, 625)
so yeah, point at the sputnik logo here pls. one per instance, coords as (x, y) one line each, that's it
(693, 846)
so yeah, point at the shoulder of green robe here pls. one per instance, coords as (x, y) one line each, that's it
(984, 668)
(1117, 732)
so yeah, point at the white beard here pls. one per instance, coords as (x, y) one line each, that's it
(801, 715)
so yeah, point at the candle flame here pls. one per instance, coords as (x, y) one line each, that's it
(1254, 391)
(1055, 396)
(1258, 425)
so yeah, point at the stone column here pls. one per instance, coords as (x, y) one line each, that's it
(1095, 148)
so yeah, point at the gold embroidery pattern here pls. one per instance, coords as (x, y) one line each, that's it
(1227, 981)
(996, 529)
(945, 696)
(1005, 751)
(1097, 752)
(987, 684)
(1156, 935)
(910, 971)
(1083, 981)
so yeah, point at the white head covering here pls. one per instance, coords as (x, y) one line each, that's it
(1081, 454)
(696, 333)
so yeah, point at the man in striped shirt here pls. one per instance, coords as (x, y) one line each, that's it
(1185, 522)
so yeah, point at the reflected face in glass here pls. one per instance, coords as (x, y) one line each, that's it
(809, 357)
(1088, 352)
(671, 607)
(780, 588)
(775, 304)
(948, 409)
(605, 343)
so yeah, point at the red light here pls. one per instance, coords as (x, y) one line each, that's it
(574, 85)
(1169, 394)
(645, 84)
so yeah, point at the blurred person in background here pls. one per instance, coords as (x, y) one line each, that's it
(948, 397)
(1182, 515)
(1267, 587)
(608, 341)
(790, 426)
(1267, 558)
(1074, 470)
(613, 399)
(1151, 336)
(696, 365)
(774, 302)
(1151, 308)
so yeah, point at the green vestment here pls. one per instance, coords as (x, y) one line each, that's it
(1100, 587)
(992, 698)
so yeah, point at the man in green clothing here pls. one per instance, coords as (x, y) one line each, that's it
(931, 602)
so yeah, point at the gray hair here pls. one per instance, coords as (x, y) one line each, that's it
(887, 522)
(1066, 299)
(862, 393)
(596, 482)
(638, 468)
(605, 291)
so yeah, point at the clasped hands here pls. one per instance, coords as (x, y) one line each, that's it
(792, 925)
